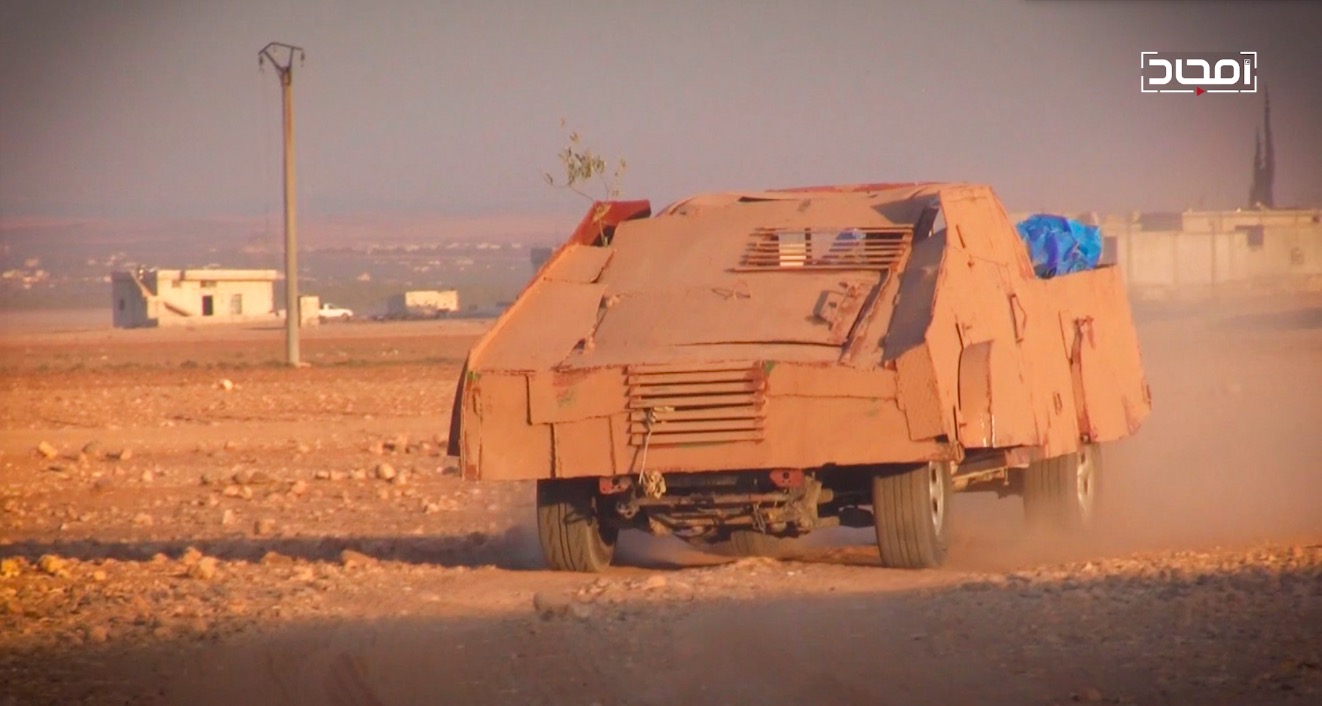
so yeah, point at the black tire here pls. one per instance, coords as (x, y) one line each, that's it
(912, 515)
(1061, 493)
(569, 527)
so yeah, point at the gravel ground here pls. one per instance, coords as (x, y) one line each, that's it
(182, 521)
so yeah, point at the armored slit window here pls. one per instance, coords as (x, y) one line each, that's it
(826, 248)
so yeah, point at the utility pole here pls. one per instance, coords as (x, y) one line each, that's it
(275, 52)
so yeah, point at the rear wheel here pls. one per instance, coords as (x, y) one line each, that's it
(570, 529)
(911, 513)
(1061, 493)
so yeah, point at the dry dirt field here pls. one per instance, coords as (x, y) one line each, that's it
(184, 521)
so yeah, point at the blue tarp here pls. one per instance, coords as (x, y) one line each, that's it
(1059, 245)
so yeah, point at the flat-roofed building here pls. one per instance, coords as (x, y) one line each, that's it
(161, 297)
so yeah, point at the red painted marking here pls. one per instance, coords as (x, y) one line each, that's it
(1199, 91)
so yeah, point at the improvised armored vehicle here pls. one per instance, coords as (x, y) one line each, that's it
(743, 368)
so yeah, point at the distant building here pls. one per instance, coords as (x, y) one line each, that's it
(151, 298)
(1209, 253)
(423, 303)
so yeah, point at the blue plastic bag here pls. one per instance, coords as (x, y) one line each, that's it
(1059, 245)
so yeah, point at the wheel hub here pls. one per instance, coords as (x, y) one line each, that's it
(1086, 484)
(936, 494)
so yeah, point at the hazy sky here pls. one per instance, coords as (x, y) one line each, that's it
(151, 108)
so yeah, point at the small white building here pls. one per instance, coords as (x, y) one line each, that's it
(151, 298)
(423, 303)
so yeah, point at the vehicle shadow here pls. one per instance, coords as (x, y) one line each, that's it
(515, 548)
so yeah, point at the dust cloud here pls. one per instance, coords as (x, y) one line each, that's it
(1230, 456)
(1232, 451)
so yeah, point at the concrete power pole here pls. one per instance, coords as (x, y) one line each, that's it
(273, 52)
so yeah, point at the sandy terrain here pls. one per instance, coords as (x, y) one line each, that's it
(182, 520)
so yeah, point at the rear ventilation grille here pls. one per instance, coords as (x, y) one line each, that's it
(688, 404)
(824, 249)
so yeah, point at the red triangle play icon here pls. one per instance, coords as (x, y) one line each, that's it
(1199, 91)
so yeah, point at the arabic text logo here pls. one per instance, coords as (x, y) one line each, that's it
(1199, 72)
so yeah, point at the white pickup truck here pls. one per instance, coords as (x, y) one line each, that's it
(329, 311)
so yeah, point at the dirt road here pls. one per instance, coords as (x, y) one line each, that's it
(184, 521)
